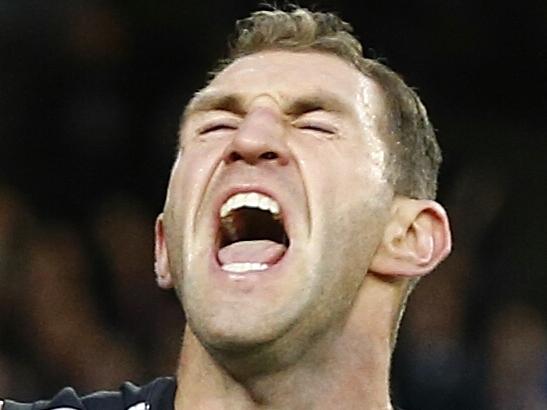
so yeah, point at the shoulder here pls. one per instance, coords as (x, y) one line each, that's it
(157, 395)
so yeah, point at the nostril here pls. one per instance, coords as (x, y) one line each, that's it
(269, 155)
(235, 156)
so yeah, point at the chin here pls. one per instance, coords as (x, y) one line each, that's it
(232, 333)
(225, 322)
(253, 309)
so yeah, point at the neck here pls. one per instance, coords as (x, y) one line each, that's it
(348, 368)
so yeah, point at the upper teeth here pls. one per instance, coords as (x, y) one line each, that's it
(249, 200)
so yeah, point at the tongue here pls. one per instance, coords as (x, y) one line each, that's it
(263, 251)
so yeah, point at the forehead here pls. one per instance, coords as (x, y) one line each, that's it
(284, 75)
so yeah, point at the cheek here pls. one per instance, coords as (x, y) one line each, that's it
(192, 171)
(198, 162)
(365, 169)
(189, 179)
(350, 199)
(347, 179)
(362, 158)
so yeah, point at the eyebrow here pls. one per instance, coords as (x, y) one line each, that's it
(319, 100)
(214, 101)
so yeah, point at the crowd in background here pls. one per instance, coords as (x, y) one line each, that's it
(90, 96)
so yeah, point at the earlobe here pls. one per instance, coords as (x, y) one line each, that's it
(415, 241)
(161, 264)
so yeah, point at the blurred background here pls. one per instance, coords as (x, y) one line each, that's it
(90, 97)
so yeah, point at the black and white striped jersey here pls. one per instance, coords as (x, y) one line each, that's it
(158, 395)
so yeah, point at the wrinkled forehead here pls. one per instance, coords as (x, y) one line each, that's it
(288, 75)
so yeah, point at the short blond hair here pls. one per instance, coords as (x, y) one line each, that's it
(414, 151)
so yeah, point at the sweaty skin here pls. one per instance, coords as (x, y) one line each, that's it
(330, 184)
(313, 330)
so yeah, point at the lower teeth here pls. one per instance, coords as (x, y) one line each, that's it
(240, 267)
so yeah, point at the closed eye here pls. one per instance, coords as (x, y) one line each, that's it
(317, 128)
(216, 127)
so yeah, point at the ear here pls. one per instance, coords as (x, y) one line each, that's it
(416, 239)
(161, 265)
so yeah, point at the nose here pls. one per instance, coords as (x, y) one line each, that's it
(259, 138)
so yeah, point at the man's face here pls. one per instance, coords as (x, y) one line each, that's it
(300, 132)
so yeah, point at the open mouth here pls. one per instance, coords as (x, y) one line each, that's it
(251, 234)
